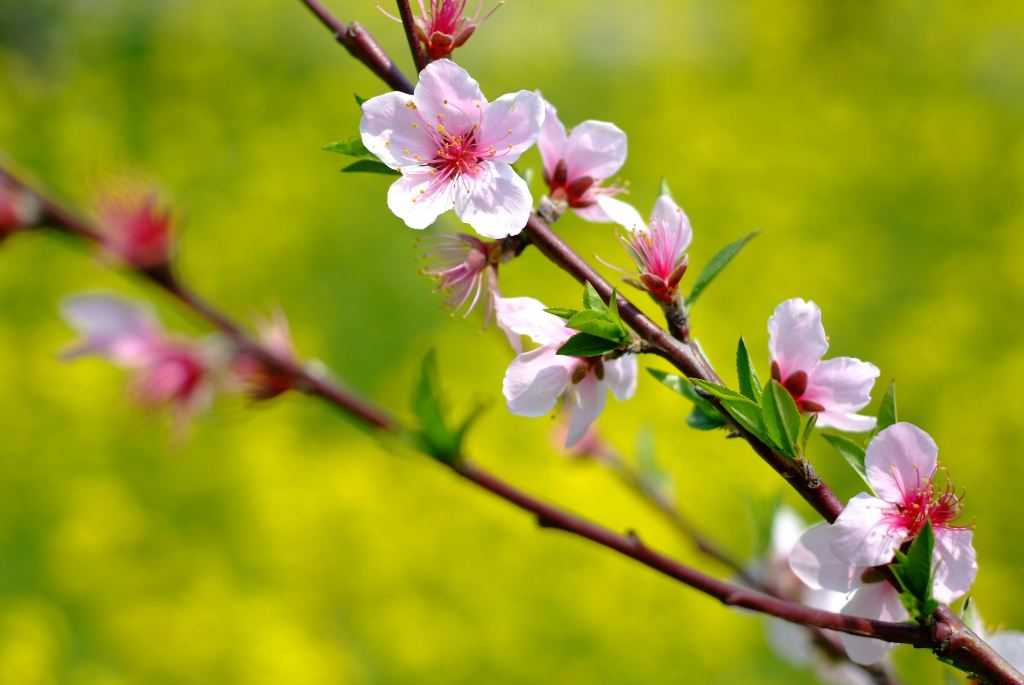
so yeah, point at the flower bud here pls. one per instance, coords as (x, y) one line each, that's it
(137, 230)
(444, 26)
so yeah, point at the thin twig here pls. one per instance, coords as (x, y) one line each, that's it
(419, 55)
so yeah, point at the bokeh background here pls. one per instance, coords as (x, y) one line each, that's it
(879, 146)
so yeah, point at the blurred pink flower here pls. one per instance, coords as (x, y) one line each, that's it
(658, 248)
(137, 231)
(18, 208)
(464, 269)
(836, 389)
(259, 379)
(168, 371)
(901, 462)
(578, 162)
(454, 150)
(536, 380)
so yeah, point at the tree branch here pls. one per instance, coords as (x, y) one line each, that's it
(419, 55)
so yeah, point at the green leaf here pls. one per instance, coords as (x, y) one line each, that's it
(359, 100)
(913, 570)
(719, 391)
(887, 415)
(369, 166)
(587, 345)
(599, 324)
(433, 435)
(812, 421)
(747, 414)
(750, 384)
(704, 415)
(353, 147)
(562, 313)
(591, 300)
(781, 418)
(664, 189)
(715, 266)
(851, 452)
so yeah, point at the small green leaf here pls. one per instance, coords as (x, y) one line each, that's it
(703, 420)
(851, 452)
(750, 384)
(599, 324)
(613, 307)
(591, 300)
(359, 100)
(715, 266)
(562, 313)
(369, 166)
(353, 147)
(913, 570)
(433, 435)
(719, 391)
(673, 382)
(887, 415)
(781, 418)
(664, 189)
(812, 421)
(587, 345)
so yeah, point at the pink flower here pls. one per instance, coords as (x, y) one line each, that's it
(658, 248)
(536, 380)
(901, 462)
(18, 208)
(577, 163)
(445, 26)
(464, 268)
(167, 371)
(137, 230)
(454, 150)
(835, 389)
(262, 381)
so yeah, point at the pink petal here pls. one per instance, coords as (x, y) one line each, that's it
(497, 203)
(584, 403)
(526, 316)
(878, 601)
(596, 149)
(622, 213)
(787, 529)
(511, 125)
(850, 422)
(1010, 645)
(593, 212)
(864, 536)
(796, 337)
(393, 129)
(448, 96)
(817, 566)
(672, 220)
(551, 142)
(418, 198)
(900, 459)
(620, 376)
(843, 386)
(112, 327)
(535, 380)
(955, 563)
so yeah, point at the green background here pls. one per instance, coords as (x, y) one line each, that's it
(877, 145)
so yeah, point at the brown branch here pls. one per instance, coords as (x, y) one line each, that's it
(419, 55)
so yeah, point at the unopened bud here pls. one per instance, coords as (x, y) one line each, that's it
(137, 231)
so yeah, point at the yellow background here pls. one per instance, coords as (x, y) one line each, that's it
(877, 145)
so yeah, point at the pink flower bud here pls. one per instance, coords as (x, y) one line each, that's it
(137, 230)
(19, 209)
(444, 26)
(262, 380)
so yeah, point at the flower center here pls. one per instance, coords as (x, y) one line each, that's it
(922, 505)
(456, 155)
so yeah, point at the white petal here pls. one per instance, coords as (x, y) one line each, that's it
(393, 129)
(900, 459)
(593, 212)
(584, 403)
(551, 142)
(417, 198)
(955, 563)
(512, 124)
(787, 528)
(864, 537)
(796, 337)
(622, 213)
(535, 380)
(448, 96)
(1010, 645)
(526, 316)
(878, 601)
(620, 376)
(842, 385)
(497, 203)
(596, 149)
(817, 566)
(673, 220)
(845, 421)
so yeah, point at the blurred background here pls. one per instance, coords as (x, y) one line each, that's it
(878, 146)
